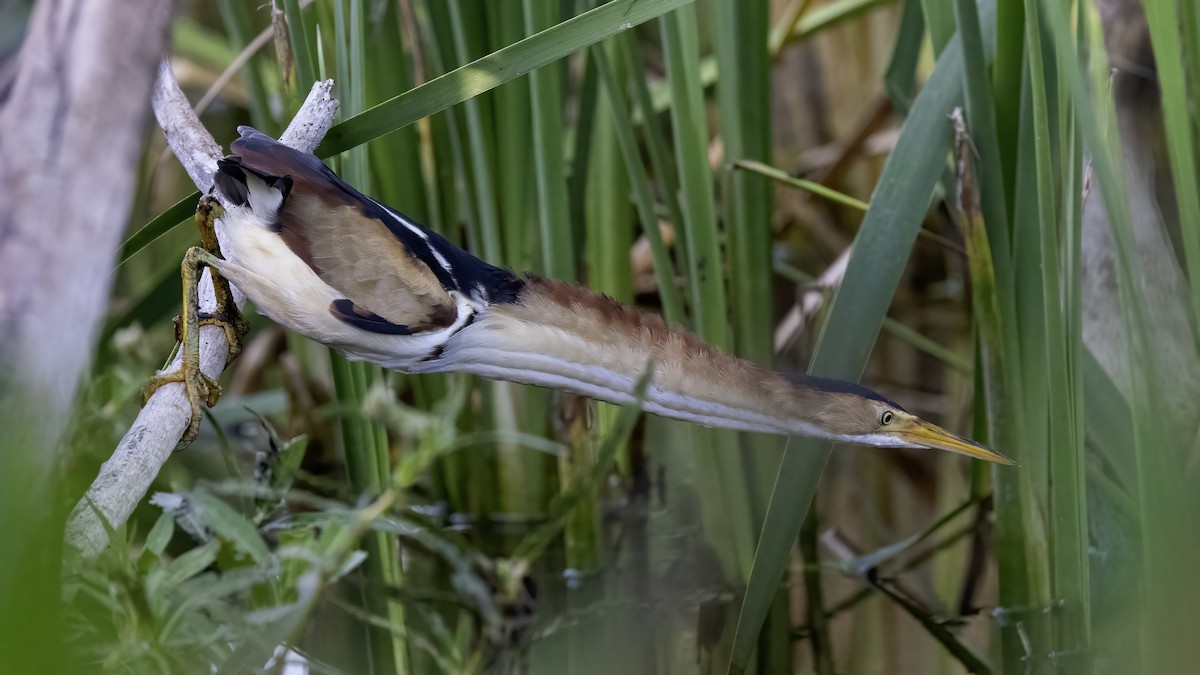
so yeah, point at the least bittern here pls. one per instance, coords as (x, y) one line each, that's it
(328, 262)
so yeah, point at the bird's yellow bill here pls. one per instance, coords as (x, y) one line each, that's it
(937, 438)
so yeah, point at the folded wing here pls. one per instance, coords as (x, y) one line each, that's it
(395, 278)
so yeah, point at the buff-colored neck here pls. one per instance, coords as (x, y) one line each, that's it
(568, 338)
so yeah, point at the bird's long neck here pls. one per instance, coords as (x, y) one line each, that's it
(565, 337)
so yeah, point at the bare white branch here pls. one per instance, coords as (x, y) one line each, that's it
(127, 475)
(315, 117)
(810, 302)
(189, 140)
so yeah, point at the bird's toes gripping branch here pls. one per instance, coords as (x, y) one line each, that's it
(228, 317)
(201, 387)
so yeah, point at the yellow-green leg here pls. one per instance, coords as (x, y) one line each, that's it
(201, 387)
(227, 315)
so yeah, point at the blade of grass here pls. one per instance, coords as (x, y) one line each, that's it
(880, 251)
(366, 443)
(1068, 515)
(478, 157)
(728, 518)
(608, 223)
(589, 479)
(939, 17)
(1108, 424)
(830, 14)
(554, 214)
(834, 196)
(918, 341)
(554, 248)
(351, 81)
(900, 79)
(1006, 86)
(664, 269)
(657, 148)
(743, 98)
(581, 148)
(1164, 21)
(1169, 543)
(806, 185)
(362, 478)
(689, 122)
(1073, 268)
(1027, 291)
(238, 25)
(981, 116)
(607, 220)
(183, 211)
(742, 44)
(1189, 18)
(787, 23)
(302, 51)
(513, 134)
(515, 60)
(396, 169)
(1071, 466)
(465, 479)
(493, 70)
(1007, 366)
(1022, 559)
(479, 152)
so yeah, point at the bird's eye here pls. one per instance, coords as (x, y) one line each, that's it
(886, 418)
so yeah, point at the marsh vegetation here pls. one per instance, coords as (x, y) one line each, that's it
(985, 210)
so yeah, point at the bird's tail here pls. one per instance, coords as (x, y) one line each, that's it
(246, 186)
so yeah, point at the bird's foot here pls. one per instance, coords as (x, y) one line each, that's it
(236, 327)
(227, 316)
(200, 389)
(232, 323)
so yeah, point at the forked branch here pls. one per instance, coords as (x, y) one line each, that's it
(127, 475)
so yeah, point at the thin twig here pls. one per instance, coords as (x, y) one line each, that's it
(793, 323)
(235, 66)
(127, 475)
(846, 552)
(910, 564)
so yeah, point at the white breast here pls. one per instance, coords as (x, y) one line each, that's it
(286, 289)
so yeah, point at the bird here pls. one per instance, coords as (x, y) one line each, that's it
(328, 262)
